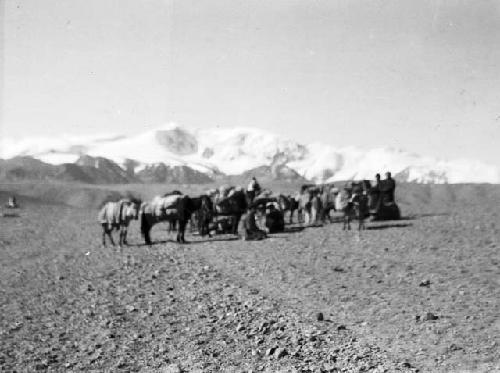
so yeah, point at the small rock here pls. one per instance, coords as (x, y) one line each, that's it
(280, 352)
(240, 327)
(341, 327)
(425, 283)
(431, 317)
(417, 318)
(270, 351)
(130, 308)
(155, 274)
(319, 316)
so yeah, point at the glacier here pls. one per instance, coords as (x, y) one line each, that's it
(234, 150)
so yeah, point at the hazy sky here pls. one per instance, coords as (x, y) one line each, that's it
(419, 75)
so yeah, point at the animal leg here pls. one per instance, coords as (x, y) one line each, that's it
(125, 231)
(103, 238)
(111, 237)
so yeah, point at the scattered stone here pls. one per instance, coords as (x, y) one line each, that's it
(270, 351)
(240, 327)
(431, 317)
(130, 308)
(425, 283)
(280, 352)
(319, 316)
(341, 327)
(417, 318)
(406, 364)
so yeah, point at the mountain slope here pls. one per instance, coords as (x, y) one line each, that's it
(233, 151)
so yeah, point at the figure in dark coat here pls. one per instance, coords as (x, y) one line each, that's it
(252, 232)
(390, 186)
(274, 220)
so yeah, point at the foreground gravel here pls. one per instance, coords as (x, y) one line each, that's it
(416, 295)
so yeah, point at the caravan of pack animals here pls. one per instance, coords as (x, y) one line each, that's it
(263, 211)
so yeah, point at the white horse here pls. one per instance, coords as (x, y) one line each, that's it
(117, 216)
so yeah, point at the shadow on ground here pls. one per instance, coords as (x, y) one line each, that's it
(387, 226)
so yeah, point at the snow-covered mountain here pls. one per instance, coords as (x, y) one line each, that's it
(233, 151)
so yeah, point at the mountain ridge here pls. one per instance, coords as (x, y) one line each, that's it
(215, 152)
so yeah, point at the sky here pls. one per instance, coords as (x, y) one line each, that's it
(422, 76)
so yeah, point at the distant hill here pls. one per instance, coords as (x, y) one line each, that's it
(97, 170)
(214, 152)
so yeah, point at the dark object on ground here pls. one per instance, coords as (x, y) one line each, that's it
(275, 221)
(431, 317)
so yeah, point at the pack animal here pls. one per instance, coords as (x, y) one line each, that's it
(288, 203)
(356, 208)
(234, 206)
(177, 209)
(117, 216)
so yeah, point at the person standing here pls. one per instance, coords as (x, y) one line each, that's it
(253, 189)
(390, 187)
(376, 186)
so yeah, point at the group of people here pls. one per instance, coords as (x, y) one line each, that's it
(315, 203)
(387, 187)
(274, 219)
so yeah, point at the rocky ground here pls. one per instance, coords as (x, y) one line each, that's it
(415, 295)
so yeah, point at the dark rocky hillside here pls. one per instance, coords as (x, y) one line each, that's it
(96, 170)
(161, 173)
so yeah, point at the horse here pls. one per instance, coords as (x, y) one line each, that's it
(117, 215)
(356, 208)
(180, 210)
(172, 224)
(288, 203)
(234, 205)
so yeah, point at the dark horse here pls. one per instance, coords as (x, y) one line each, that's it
(234, 206)
(288, 203)
(184, 208)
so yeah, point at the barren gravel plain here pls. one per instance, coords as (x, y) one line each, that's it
(419, 294)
